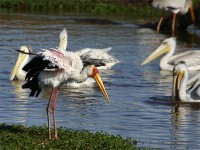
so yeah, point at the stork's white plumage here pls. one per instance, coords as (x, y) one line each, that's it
(54, 68)
(175, 6)
(167, 62)
(180, 92)
(20, 62)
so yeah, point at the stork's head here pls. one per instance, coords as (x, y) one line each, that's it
(21, 60)
(94, 72)
(167, 46)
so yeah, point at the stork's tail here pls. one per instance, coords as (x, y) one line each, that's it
(33, 86)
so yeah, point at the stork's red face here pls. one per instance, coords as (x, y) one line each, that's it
(95, 74)
(94, 71)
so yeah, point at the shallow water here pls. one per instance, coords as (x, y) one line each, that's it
(141, 106)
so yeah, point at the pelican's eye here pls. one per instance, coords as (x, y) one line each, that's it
(175, 73)
(165, 43)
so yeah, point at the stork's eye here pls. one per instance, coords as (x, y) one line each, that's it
(95, 70)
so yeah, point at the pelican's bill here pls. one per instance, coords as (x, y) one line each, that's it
(19, 61)
(163, 48)
(176, 84)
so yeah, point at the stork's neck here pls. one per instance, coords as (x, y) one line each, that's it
(185, 8)
(80, 77)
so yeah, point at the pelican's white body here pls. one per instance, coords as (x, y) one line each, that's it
(191, 95)
(101, 54)
(167, 62)
(90, 53)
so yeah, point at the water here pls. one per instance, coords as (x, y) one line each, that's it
(141, 106)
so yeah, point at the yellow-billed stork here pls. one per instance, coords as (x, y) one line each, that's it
(54, 68)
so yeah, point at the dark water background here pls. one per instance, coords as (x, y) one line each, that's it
(141, 105)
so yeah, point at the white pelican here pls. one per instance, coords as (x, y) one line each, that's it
(167, 62)
(54, 68)
(90, 54)
(20, 62)
(102, 55)
(181, 76)
(175, 6)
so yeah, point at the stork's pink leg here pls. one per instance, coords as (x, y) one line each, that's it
(48, 112)
(160, 22)
(54, 114)
(173, 24)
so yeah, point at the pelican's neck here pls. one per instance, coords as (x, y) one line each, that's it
(182, 91)
(62, 45)
(63, 40)
(164, 62)
(21, 73)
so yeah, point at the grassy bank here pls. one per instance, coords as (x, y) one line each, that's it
(20, 137)
(93, 7)
(133, 8)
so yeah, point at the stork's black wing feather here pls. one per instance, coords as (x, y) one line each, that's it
(35, 65)
(33, 85)
(33, 69)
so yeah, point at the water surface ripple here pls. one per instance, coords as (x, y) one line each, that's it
(141, 106)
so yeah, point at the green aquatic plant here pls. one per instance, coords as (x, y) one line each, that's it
(35, 137)
(93, 7)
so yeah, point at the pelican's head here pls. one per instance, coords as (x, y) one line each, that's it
(21, 60)
(63, 40)
(94, 72)
(168, 45)
(178, 73)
